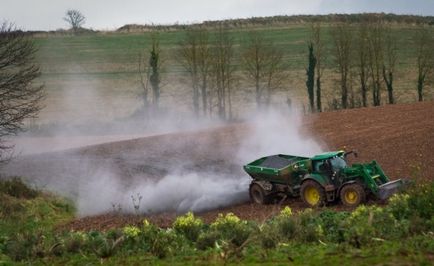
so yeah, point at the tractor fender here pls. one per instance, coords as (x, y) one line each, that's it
(345, 184)
(317, 178)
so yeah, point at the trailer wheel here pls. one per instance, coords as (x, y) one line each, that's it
(352, 195)
(312, 193)
(257, 194)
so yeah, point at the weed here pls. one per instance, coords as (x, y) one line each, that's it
(189, 226)
(136, 202)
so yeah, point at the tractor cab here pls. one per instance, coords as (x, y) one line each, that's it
(329, 163)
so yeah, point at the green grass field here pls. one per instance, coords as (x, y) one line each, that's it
(106, 64)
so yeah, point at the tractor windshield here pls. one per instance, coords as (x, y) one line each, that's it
(338, 163)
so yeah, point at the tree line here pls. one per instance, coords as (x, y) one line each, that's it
(364, 57)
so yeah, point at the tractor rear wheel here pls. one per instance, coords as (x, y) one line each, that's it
(352, 195)
(312, 193)
(257, 194)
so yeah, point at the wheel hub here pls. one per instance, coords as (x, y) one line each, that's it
(312, 196)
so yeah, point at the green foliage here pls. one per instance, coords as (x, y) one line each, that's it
(399, 207)
(331, 222)
(403, 228)
(365, 225)
(75, 242)
(188, 225)
(131, 231)
(232, 228)
(207, 239)
(167, 243)
(421, 201)
(15, 187)
(103, 246)
(310, 227)
(269, 236)
(24, 246)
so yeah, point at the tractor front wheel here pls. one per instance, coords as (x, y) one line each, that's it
(257, 194)
(312, 193)
(352, 195)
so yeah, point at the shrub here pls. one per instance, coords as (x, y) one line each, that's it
(399, 206)
(131, 232)
(310, 228)
(75, 241)
(167, 242)
(10, 207)
(331, 221)
(285, 223)
(207, 240)
(269, 236)
(102, 246)
(421, 201)
(189, 226)
(15, 187)
(231, 228)
(286, 212)
(25, 246)
(368, 223)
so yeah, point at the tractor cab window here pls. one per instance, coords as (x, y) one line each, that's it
(322, 167)
(338, 163)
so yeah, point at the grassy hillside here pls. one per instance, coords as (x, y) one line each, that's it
(107, 64)
(399, 233)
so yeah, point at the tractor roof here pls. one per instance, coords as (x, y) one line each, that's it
(327, 155)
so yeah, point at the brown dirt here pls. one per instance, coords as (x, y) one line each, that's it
(399, 137)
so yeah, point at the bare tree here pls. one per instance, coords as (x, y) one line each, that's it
(263, 65)
(343, 44)
(204, 65)
(376, 58)
(362, 60)
(144, 74)
(74, 18)
(194, 57)
(319, 54)
(424, 44)
(390, 58)
(223, 71)
(20, 97)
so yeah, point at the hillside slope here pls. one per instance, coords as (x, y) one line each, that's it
(399, 137)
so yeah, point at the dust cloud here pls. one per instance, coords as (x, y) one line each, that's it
(138, 167)
(208, 187)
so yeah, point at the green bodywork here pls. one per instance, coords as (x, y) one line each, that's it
(291, 171)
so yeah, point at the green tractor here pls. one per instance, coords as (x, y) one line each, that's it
(318, 180)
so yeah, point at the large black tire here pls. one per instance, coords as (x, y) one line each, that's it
(312, 194)
(352, 195)
(257, 194)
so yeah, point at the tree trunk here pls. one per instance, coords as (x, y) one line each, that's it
(318, 94)
(310, 82)
(204, 96)
(388, 79)
(420, 82)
